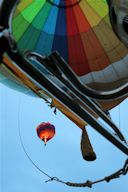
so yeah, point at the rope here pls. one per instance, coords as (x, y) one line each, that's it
(23, 147)
(119, 117)
(115, 175)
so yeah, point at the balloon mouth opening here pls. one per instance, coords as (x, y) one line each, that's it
(65, 3)
(45, 141)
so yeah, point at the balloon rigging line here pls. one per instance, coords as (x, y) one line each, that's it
(88, 183)
(23, 147)
(119, 117)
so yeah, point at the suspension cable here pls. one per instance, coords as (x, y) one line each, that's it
(119, 116)
(23, 147)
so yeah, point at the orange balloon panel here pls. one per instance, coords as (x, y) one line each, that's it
(45, 131)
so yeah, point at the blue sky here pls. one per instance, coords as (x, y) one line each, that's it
(61, 157)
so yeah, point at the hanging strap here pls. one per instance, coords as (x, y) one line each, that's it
(86, 147)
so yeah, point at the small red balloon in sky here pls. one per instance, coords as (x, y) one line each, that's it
(45, 131)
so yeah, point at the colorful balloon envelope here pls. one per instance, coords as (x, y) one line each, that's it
(80, 31)
(45, 131)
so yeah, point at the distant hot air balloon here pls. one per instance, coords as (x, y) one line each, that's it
(45, 131)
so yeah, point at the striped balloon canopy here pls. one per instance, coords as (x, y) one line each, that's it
(80, 31)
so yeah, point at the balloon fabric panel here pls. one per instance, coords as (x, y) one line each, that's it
(60, 42)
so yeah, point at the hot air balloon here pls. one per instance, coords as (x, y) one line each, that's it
(45, 131)
(67, 51)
